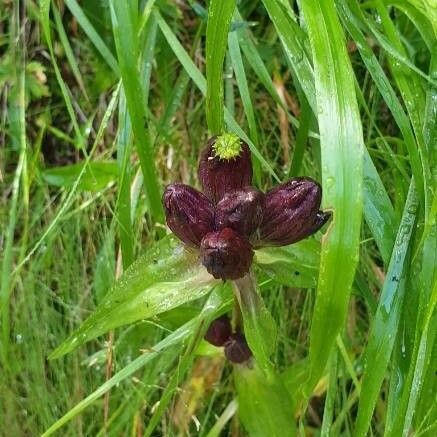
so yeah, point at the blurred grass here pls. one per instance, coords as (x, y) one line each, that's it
(85, 85)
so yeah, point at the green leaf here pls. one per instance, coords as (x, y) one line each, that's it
(45, 21)
(385, 324)
(92, 34)
(68, 51)
(259, 326)
(384, 87)
(295, 43)
(97, 175)
(219, 18)
(404, 411)
(125, 34)
(264, 405)
(166, 276)
(296, 265)
(213, 306)
(341, 142)
(240, 76)
(124, 205)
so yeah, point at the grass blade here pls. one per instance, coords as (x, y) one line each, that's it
(17, 125)
(240, 75)
(128, 52)
(70, 197)
(211, 307)
(385, 324)
(125, 172)
(94, 37)
(403, 412)
(45, 21)
(68, 51)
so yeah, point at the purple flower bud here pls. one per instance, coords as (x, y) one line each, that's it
(219, 331)
(237, 349)
(225, 254)
(240, 210)
(225, 164)
(292, 212)
(189, 213)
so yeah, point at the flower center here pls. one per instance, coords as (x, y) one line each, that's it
(227, 146)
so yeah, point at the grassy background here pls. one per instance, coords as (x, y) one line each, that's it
(103, 103)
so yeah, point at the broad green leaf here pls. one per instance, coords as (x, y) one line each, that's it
(219, 18)
(341, 142)
(264, 405)
(294, 41)
(166, 276)
(296, 265)
(96, 176)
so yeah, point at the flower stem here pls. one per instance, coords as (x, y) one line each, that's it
(260, 328)
(245, 293)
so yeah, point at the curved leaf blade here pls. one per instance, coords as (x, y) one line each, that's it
(166, 276)
(342, 149)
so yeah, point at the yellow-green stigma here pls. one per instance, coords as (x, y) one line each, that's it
(227, 146)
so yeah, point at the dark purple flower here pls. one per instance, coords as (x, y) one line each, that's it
(225, 164)
(240, 210)
(236, 349)
(292, 212)
(232, 216)
(225, 254)
(189, 213)
(219, 331)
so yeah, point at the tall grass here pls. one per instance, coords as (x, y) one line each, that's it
(103, 103)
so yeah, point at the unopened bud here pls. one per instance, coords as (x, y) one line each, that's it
(240, 210)
(189, 213)
(225, 254)
(225, 164)
(237, 349)
(292, 212)
(219, 331)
